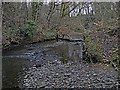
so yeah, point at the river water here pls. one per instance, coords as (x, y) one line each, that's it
(19, 59)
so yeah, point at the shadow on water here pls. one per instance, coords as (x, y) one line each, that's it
(12, 68)
(16, 61)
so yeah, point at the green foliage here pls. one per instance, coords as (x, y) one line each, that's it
(114, 55)
(114, 59)
(28, 29)
(93, 48)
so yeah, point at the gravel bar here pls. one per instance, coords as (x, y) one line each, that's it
(70, 75)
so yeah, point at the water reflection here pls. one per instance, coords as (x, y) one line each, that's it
(75, 50)
(69, 51)
(15, 62)
(12, 69)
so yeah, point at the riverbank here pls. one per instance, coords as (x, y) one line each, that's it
(8, 47)
(70, 75)
(47, 69)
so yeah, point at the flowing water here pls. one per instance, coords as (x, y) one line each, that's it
(19, 59)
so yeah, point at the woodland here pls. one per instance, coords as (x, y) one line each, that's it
(25, 23)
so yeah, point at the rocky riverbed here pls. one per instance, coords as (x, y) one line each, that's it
(70, 75)
(54, 65)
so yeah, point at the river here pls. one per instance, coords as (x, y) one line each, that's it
(17, 60)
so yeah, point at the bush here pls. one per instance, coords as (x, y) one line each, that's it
(114, 59)
(93, 49)
(28, 29)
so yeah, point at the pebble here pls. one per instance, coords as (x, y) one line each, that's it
(68, 75)
(95, 74)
